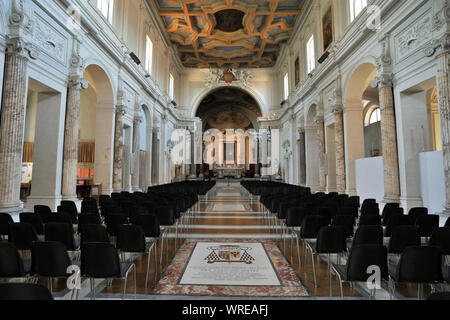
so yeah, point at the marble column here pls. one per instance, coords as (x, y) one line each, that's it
(136, 152)
(193, 167)
(321, 149)
(71, 131)
(302, 157)
(389, 143)
(339, 149)
(443, 84)
(118, 149)
(12, 126)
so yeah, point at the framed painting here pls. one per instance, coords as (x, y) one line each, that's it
(327, 27)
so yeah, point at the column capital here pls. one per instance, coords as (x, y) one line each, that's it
(384, 64)
(337, 109)
(137, 120)
(77, 82)
(121, 109)
(319, 119)
(444, 44)
(19, 46)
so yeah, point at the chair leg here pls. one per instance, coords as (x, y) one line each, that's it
(156, 263)
(329, 271)
(148, 267)
(314, 269)
(134, 277)
(91, 281)
(298, 254)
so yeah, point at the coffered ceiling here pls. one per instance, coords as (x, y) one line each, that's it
(229, 33)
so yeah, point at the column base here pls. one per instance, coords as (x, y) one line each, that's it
(136, 189)
(52, 201)
(13, 209)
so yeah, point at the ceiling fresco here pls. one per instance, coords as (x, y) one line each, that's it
(229, 33)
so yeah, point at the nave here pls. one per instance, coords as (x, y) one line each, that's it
(231, 214)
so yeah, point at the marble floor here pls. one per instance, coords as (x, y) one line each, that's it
(229, 214)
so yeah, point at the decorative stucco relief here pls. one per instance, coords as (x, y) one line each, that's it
(49, 40)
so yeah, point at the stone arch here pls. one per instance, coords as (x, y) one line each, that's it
(101, 83)
(356, 84)
(205, 92)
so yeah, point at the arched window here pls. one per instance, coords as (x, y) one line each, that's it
(356, 6)
(286, 86)
(375, 116)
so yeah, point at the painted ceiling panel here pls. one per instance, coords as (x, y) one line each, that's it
(229, 33)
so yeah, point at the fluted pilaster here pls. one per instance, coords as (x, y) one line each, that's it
(118, 149)
(339, 149)
(12, 128)
(136, 148)
(321, 151)
(443, 83)
(389, 144)
(72, 127)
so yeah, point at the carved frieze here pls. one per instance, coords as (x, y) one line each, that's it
(49, 40)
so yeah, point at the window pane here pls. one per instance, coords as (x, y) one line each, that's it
(310, 54)
(171, 86)
(148, 55)
(286, 86)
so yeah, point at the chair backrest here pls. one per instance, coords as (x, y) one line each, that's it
(68, 203)
(427, 224)
(73, 213)
(24, 291)
(91, 218)
(370, 211)
(61, 232)
(33, 219)
(396, 221)
(347, 222)
(352, 201)
(11, 264)
(311, 226)
(130, 238)
(150, 224)
(370, 220)
(441, 238)
(5, 220)
(419, 264)
(447, 223)
(112, 221)
(417, 212)
(363, 256)
(94, 233)
(439, 296)
(392, 213)
(99, 260)
(403, 237)
(372, 235)
(61, 217)
(44, 212)
(389, 206)
(331, 239)
(346, 211)
(22, 235)
(49, 259)
(369, 203)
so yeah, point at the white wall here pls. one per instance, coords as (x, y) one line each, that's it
(369, 178)
(432, 181)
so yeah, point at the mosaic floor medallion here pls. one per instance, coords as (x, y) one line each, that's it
(230, 268)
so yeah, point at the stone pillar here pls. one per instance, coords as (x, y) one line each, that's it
(321, 149)
(71, 131)
(12, 126)
(443, 84)
(193, 167)
(388, 125)
(136, 152)
(339, 149)
(118, 148)
(302, 157)
(389, 144)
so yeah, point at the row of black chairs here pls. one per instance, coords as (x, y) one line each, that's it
(310, 216)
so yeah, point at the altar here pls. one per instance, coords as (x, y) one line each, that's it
(229, 172)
